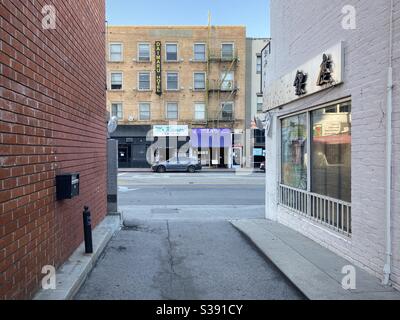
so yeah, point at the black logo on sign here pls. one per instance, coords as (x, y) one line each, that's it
(300, 83)
(325, 74)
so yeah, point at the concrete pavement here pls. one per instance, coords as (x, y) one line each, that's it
(178, 243)
(315, 270)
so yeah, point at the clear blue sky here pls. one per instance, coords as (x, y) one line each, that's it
(251, 13)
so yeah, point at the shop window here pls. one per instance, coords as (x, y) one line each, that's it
(172, 111)
(331, 152)
(144, 111)
(171, 52)
(294, 151)
(199, 80)
(144, 81)
(116, 80)
(116, 110)
(200, 52)
(144, 52)
(172, 81)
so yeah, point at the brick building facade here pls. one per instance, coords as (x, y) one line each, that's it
(326, 149)
(202, 87)
(52, 121)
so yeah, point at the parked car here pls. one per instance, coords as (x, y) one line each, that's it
(177, 164)
(262, 166)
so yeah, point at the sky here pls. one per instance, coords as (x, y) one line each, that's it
(251, 13)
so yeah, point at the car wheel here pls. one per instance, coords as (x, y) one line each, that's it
(192, 169)
(161, 169)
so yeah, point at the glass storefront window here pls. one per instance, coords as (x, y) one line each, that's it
(331, 151)
(294, 151)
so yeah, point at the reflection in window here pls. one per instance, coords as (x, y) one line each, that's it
(294, 151)
(331, 152)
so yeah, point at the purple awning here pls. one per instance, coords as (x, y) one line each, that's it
(211, 138)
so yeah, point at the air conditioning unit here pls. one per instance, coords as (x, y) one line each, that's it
(131, 118)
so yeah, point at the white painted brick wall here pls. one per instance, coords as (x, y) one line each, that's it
(300, 30)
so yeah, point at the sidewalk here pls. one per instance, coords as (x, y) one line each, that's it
(315, 270)
(208, 170)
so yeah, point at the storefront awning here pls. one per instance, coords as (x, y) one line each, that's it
(211, 138)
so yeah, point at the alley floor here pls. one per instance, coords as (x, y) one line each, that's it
(177, 242)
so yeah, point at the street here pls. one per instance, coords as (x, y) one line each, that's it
(177, 242)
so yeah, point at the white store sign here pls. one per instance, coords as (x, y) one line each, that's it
(170, 131)
(282, 91)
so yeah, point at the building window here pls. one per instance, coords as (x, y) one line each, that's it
(227, 51)
(331, 152)
(171, 52)
(144, 81)
(294, 151)
(116, 80)
(200, 111)
(172, 111)
(316, 183)
(144, 52)
(115, 52)
(259, 65)
(260, 102)
(199, 79)
(116, 110)
(199, 52)
(227, 81)
(144, 111)
(227, 111)
(172, 81)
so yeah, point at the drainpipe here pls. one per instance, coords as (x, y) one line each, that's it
(387, 267)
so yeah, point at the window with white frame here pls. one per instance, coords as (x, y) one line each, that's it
(259, 64)
(144, 80)
(116, 52)
(200, 111)
(260, 102)
(144, 52)
(116, 110)
(227, 81)
(116, 80)
(199, 80)
(200, 52)
(172, 81)
(227, 51)
(227, 110)
(171, 52)
(144, 111)
(172, 111)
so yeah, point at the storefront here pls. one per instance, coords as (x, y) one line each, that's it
(133, 143)
(169, 141)
(213, 147)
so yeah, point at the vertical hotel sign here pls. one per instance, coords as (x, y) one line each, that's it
(158, 68)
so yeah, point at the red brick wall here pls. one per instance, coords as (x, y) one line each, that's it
(52, 120)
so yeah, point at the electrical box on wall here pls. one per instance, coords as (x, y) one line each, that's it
(67, 186)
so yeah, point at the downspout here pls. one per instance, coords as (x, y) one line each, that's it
(388, 264)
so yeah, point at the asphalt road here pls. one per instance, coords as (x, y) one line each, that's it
(177, 243)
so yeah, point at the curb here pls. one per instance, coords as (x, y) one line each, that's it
(73, 273)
